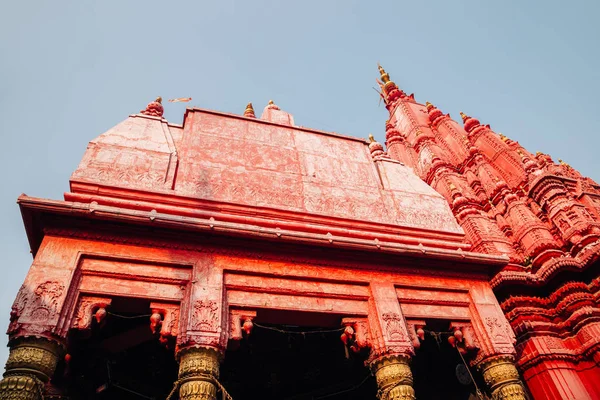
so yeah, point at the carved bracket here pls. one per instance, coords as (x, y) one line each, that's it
(356, 333)
(240, 323)
(90, 307)
(464, 334)
(463, 337)
(416, 332)
(164, 320)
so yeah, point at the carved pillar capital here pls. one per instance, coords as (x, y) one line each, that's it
(502, 378)
(30, 364)
(394, 377)
(198, 369)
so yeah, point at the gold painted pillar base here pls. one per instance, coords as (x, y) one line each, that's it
(394, 378)
(502, 378)
(198, 367)
(30, 365)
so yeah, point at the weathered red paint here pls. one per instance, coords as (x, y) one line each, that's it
(226, 215)
(542, 215)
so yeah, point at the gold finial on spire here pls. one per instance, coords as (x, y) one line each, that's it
(385, 77)
(271, 102)
(158, 99)
(371, 138)
(561, 162)
(249, 111)
(428, 104)
(463, 115)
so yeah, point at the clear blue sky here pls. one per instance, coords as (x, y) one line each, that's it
(70, 70)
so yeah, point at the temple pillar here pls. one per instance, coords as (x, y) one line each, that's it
(394, 377)
(554, 380)
(31, 363)
(502, 378)
(198, 372)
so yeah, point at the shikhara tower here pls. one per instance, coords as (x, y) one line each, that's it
(181, 252)
(544, 216)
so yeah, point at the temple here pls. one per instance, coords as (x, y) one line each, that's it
(249, 257)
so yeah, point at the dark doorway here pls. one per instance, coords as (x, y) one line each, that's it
(120, 358)
(438, 369)
(278, 361)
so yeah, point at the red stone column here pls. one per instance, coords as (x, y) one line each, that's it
(555, 380)
(496, 356)
(35, 347)
(203, 333)
(391, 345)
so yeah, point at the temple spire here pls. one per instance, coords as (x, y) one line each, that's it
(154, 108)
(249, 111)
(390, 90)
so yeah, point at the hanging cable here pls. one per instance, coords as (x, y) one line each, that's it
(298, 332)
(345, 390)
(128, 316)
(477, 391)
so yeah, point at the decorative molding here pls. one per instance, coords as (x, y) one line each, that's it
(204, 316)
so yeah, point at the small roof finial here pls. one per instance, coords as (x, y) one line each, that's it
(272, 105)
(375, 148)
(154, 109)
(249, 111)
(433, 112)
(463, 116)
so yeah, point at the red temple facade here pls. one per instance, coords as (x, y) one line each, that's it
(220, 255)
